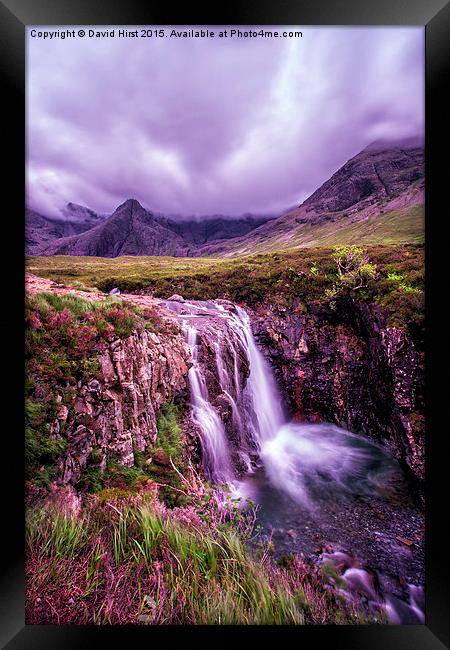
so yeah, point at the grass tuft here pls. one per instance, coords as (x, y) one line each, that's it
(141, 563)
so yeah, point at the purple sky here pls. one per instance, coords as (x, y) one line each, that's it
(208, 126)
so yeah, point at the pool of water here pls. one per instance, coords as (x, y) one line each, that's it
(326, 494)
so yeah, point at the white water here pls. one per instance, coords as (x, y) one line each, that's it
(255, 409)
(302, 460)
(204, 415)
(264, 410)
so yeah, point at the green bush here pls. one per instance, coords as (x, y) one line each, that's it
(41, 450)
(168, 438)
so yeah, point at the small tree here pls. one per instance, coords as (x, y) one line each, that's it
(354, 269)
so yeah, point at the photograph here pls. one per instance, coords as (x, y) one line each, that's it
(225, 325)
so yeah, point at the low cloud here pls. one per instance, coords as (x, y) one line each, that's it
(210, 126)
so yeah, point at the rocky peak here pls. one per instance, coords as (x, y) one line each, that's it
(381, 171)
(131, 205)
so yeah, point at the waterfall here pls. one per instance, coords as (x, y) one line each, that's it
(302, 475)
(256, 408)
(264, 406)
(301, 460)
(215, 449)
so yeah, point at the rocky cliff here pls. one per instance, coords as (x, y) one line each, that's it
(348, 367)
(116, 413)
(98, 371)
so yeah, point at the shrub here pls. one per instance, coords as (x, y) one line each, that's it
(354, 268)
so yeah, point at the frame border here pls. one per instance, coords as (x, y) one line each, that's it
(15, 15)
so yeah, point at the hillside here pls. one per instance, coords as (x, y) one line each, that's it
(41, 230)
(376, 197)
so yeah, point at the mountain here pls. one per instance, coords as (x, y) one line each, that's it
(130, 230)
(40, 229)
(376, 196)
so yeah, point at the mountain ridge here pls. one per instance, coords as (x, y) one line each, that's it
(383, 178)
(378, 193)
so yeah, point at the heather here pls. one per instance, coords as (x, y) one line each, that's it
(285, 278)
(117, 558)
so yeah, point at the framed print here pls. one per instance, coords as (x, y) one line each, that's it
(229, 414)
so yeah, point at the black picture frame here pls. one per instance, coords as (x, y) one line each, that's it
(15, 15)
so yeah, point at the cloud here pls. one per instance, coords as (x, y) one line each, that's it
(207, 126)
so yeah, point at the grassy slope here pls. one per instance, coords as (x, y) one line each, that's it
(405, 225)
(131, 561)
(394, 227)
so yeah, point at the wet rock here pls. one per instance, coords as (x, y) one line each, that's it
(176, 298)
(350, 368)
(223, 407)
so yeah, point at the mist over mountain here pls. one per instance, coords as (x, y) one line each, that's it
(386, 177)
(41, 230)
(375, 196)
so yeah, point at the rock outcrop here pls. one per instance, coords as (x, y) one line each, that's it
(116, 413)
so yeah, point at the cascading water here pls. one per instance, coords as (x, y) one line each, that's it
(311, 479)
(264, 406)
(256, 410)
(204, 415)
(302, 460)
